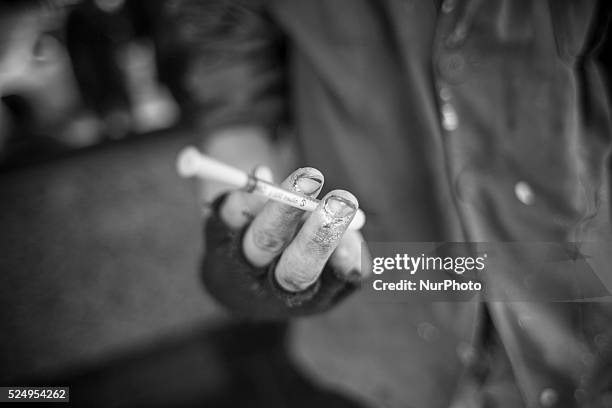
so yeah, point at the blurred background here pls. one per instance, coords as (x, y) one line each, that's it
(101, 240)
(78, 73)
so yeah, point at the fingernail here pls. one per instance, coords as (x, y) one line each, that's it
(307, 184)
(339, 207)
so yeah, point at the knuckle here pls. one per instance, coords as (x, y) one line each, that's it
(267, 240)
(296, 280)
(284, 215)
(343, 254)
(233, 212)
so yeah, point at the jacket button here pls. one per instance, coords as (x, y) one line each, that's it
(524, 193)
(467, 353)
(580, 395)
(456, 37)
(450, 119)
(445, 94)
(601, 341)
(548, 397)
(448, 5)
(428, 331)
(452, 67)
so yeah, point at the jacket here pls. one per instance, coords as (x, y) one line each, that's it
(465, 120)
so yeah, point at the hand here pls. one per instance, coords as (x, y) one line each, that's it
(302, 242)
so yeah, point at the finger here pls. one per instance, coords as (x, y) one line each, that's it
(240, 207)
(358, 221)
(302, 262)
(276, 224)
(350, 255)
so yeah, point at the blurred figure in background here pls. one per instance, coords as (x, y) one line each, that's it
(454, 120)
(78, 72)
(37, 87)
(114, 45)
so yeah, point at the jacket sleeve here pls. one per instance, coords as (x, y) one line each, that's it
(253, 292)
(235, 72)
